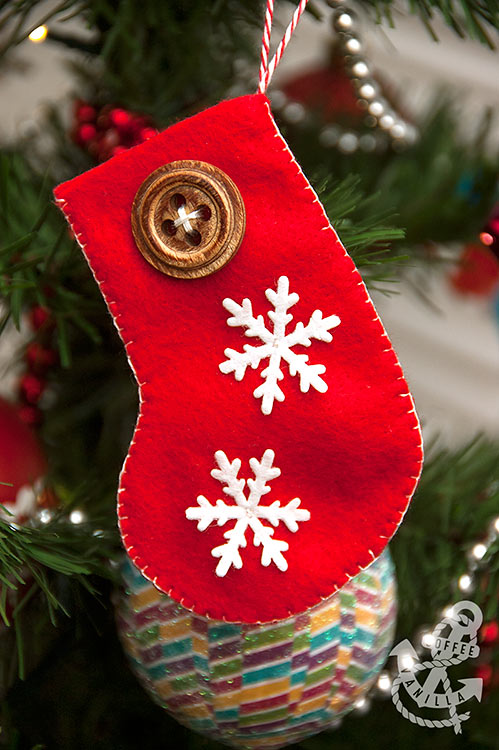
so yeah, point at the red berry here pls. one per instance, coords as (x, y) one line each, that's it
(85, 112)
(138, 123)
(103, 122)
(147, 133)
(94, 149)
(86, 133)
(109, 139)
(39, 358)
(120, 118)
(489, 632)
(39, 317)
(30, 415)
(485, 672)
(31, 388)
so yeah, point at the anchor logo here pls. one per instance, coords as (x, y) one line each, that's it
(454, 641)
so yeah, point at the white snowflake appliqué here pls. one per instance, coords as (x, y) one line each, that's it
(247, 511)
(277, 344)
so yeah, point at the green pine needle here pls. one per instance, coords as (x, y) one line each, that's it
(72, 550)
(363, 229)
(39, 263)
(467, 18)
(454, 506)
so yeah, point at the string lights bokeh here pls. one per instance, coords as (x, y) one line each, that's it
(38, 35)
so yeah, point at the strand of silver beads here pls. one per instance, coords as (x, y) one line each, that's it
(385, 126)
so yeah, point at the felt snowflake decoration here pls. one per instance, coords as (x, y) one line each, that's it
(277, 345)
(247, 512)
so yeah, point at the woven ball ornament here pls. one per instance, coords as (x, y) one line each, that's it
(259, 686)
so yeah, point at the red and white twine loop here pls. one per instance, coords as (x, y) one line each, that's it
(266, 68)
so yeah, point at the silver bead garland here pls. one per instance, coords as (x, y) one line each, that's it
(345, 23)
(388, 126)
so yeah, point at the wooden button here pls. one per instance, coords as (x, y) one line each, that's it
(188, 219)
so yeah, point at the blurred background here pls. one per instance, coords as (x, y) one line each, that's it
(391, 108)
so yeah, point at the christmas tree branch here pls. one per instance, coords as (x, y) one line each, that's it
(364, 230)
(39, 262)
(456, 502)
(18, 20)
(75, 550)
(467, 18)
(440, 190)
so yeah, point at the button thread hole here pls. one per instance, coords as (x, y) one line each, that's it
(177, 200)
(169, 228)
(193, 237)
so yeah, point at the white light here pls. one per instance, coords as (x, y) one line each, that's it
(367, 91)
(411, 135)
(38, 35)
(407, 661)
(479, 551)
(352, 46)
(465, 582)
(376, 108)
(428, 640)
(45, 515)
(329, 136)
(76, 516)
(496, 524)
(279, 99)
(348, 142)
(367, 142)
(387, 121)
(294, 112)
(344, 21)
(398, 130)
(362, 705)
(384, 682)
(448, 612)
(360, 69)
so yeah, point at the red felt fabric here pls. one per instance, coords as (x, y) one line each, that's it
(353, 455)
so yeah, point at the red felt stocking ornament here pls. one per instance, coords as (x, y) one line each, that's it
(277, 445)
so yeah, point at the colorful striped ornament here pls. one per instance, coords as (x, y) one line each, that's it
(259, 686)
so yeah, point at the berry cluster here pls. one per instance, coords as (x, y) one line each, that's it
(39, 358)
(107, 131)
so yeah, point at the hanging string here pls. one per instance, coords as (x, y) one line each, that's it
(266, 68)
